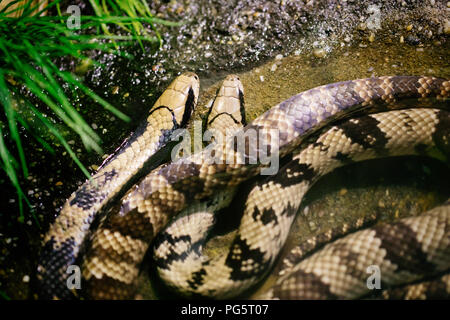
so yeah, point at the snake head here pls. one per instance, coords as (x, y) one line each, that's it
(181, 97)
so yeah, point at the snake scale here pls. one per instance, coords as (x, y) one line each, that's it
(107, 225)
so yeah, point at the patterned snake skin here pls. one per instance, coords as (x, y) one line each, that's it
(271, 206)
(402, 251)
(123, 236)
(135, 158)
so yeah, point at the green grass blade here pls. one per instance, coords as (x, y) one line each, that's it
(5, 100)
(61, 139)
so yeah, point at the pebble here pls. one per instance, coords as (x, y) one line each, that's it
(59, 183)
(278, 57)
(319, 53)
(402, 39)
(273, 68)
(261, 78)
(447, 27)
(208, 54)
(362, 26)
(26, 278)
(371, 37)
(343, 191)
(409, 27)
(94, 126)
(412, 40)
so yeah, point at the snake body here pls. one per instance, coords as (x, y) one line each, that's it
(136, 157)
(401, 251)
(128, 228)
(271, 206)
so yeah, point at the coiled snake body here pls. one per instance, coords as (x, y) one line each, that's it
(111, 253)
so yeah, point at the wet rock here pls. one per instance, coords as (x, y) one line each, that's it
(447, 27)
(319, 53)
(412, 40)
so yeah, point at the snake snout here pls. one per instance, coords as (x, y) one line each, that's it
(232, 77)
(191, 75)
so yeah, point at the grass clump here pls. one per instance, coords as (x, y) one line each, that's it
(35, 93)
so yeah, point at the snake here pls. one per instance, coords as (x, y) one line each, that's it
(110, 240)
(267, 219)
(136, 156)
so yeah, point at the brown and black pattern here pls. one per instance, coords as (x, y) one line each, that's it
(402, 252)
(160, 206)
(134, 159)
(438, 288)
(246, 243)
(301, 251)
(273, 202)
(157, 199)
(180, 244)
